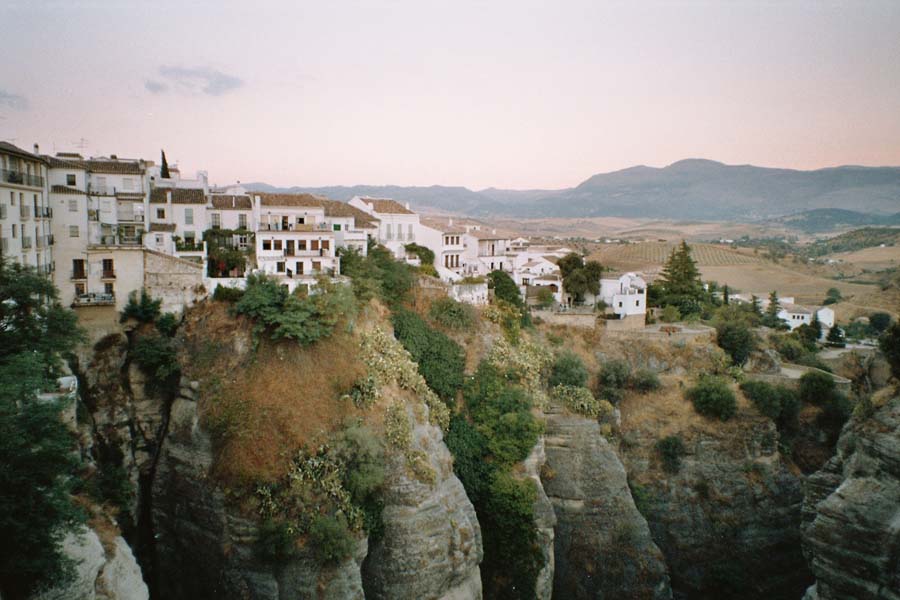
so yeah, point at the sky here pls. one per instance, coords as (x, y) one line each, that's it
(511, 94)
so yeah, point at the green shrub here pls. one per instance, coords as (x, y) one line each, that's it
(613, 378)
(275, 543)
(644, 380)
(671, 449)
(331, 539)
(880, 321)
(670, 314)
(157, 358)
(167, 324)
(451, 314)
(737, 339)
(712, 397)
(545, 297)
(581, 401)
(469, 447)
(441, 360)
(764, 396)
(505, 288)
(816, 387)
(789, 347)
(144, 308)
(224, 293)
(568, 369)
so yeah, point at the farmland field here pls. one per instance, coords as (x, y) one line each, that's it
(646, 255)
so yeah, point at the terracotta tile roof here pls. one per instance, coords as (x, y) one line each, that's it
(179, 195)
(489, 235)
(12, 149)
(62, 189)
(111, 166)
(162, 227)
(442, 225)
(796, 309)
(387, 206)
(230, 202)
(295, 200)
(335, 208)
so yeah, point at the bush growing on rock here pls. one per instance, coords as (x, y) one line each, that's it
(737, 339)
(331, 539)
(275, 543)
(644, 380)
(167, 324)
(712, 397)
(224, 293)
(142, 308)
(816, 387)
(441, 360)
(158, 359)
(580, 400)
(568, 369)
(451, 314)
(671, 449)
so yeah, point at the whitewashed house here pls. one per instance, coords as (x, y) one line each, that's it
(397, 224)
(486, 251)
(447, 241)
(625, 295)
(26, 234)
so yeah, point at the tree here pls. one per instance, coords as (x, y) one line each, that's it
(713, 398)
(816, 387)
(37, 463)
(568, 369)
(680, 276)
(505, 288)
(833, 296)
(736, 338)
(725, 295)
(579, 277)
(880, 321)
(164, 166)
(755, 304)
(890, 346)
(771, 319)
(835, 337)
(545, 297)
(816, 326)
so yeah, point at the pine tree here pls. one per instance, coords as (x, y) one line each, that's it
(816, 325)
(164, 166)
(757, 309)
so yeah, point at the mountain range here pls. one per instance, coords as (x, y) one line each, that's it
(694, 189)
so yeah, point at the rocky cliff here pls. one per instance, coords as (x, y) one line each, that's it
(728, 521)
(603, 547)
(851, 513)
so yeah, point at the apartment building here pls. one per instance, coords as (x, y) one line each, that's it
(487, 250)
(25, 213)
(447, 241)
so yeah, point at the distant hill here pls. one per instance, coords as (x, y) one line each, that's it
(867, 237)
(688, 189)
(821, 220)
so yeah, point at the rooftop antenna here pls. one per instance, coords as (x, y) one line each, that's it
(81, 144)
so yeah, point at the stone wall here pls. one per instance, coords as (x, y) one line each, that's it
(176, 281)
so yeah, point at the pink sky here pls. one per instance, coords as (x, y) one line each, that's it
(504, 94)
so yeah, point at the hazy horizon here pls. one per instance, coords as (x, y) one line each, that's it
(506, 95)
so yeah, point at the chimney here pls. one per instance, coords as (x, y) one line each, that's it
(114, 157)
(37, 149)
(450, 222)
(407, 206)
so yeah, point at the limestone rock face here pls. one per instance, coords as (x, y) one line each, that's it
(545, 520)
(728, 522)
(99, 575)
(431, 547)
(603, 547)
(851, 513)
(204, 549)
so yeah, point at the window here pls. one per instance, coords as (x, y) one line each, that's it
(388, 233)
(159, 239)
(73, 231)
(301, 220)
(101, 184)
(277, 245)
(279, 267)
(317, 266)
(409, 233)
(12, 198)
(128, 184)
(336, 227)
(299, 266)
(620, 305)
(108, 268)
(78, 270)
(301, 244)
(326, 244)
(216, 220)
(243, 241)
(70, 179)
(73, 205)
(160, 213)
(190, 237)
(242, 221)
(109, 288)
(14, 230)
(314, 245)
(189, 216)
(79, 289)
(267, 244)
(637, 302)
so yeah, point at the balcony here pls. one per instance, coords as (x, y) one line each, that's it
(94, 300)
(79, 274)
(118, 240)
(19, 178)
(26, 243)
(24, 213)
(51, 240)
(108, 274)
(43, 212)
(188, 246)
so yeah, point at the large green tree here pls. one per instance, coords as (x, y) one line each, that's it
(37, 463)
(680, 281)
(579, 277)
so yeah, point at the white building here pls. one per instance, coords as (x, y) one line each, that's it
(795, 315)
(397, 224)
(447, 241)
(25, 212)
(487, 250)
(625, 295)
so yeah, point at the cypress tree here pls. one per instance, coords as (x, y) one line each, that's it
(725, 295)
(680, 276)
(164, 166)
(836, 337)
(771, 318)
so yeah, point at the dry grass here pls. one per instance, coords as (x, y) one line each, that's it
(263, 406)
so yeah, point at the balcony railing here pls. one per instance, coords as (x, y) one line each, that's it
(51, 240)
(185, 246)
(20, 178)
(94, 300)
(26, 243)
(79, 275)
(117, 240)
(43, 212)
(24, 213)
(109, 274)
